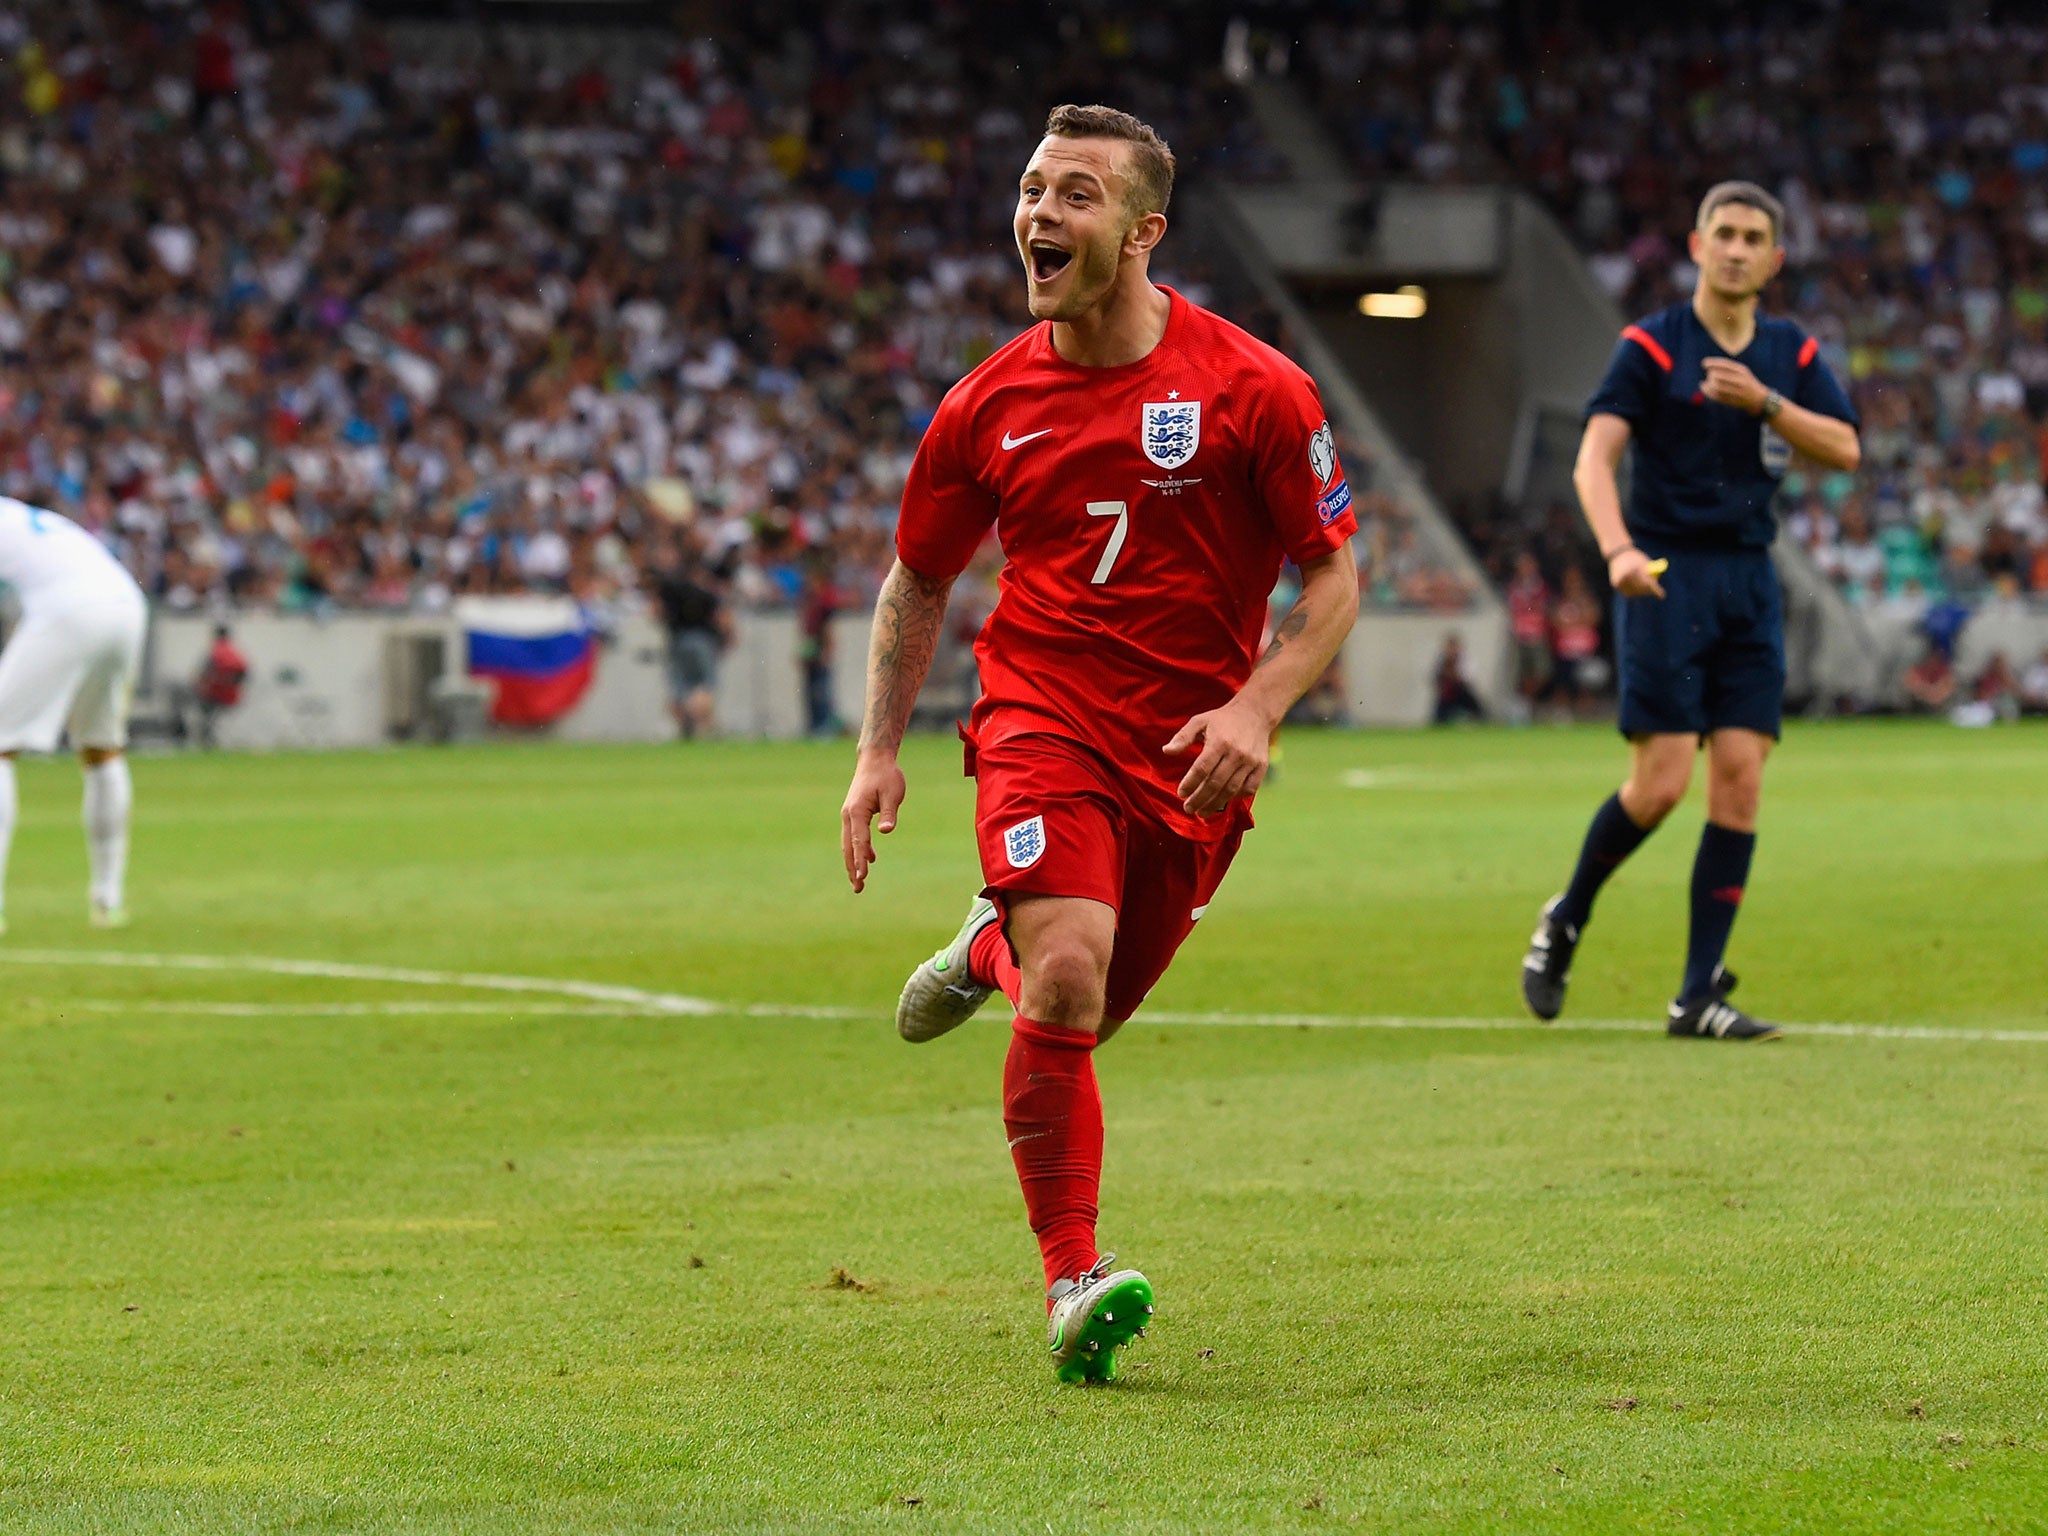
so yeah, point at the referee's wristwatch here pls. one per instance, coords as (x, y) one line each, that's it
(1773, 403)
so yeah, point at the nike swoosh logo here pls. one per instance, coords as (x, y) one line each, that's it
(1010, 442)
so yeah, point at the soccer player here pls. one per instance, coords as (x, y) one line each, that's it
(73, 660)
(1145, 465)
(1715, 398)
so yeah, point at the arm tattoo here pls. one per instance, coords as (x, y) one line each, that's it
(907, 619)
(1290, 627)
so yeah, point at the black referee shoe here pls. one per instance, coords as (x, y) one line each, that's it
(1547, 967)
(1712, 1017)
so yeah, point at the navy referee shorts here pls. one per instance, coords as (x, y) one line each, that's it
(1710, 654)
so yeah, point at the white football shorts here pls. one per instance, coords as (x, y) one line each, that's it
(73, 661)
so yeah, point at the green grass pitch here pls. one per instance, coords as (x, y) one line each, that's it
(313, 1251)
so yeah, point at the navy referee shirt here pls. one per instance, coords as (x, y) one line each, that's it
(1705, 474)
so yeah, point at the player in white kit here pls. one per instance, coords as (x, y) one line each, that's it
(71, 661)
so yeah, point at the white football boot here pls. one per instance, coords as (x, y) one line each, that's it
(940, 994)
(1094, 1317)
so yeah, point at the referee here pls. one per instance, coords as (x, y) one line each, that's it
(1716, 399)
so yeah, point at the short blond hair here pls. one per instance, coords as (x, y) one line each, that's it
(1151, 162)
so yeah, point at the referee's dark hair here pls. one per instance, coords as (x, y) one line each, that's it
(1749, 195)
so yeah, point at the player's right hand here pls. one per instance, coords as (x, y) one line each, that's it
(1235, 743)
(872, 801)
(1629, 574)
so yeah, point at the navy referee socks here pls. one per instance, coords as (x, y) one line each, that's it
(1719, 873)
(1609, 841)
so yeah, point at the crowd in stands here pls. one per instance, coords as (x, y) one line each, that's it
(1914, 169)
(300, 311)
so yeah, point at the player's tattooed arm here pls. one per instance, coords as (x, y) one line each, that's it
(908, 615)
(1308, 638)
(1290, 629)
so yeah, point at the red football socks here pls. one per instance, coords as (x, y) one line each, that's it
(990, 962)
(1053, 1113)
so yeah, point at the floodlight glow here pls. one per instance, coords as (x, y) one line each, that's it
(1407, 302)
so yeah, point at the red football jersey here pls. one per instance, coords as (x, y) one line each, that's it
(1143, 512)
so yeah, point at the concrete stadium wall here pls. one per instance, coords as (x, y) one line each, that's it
(324, 683)
(1390, 664)
(1337, 231)
(329, 683)
(312, 683)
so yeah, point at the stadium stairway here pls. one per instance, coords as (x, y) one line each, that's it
(1390, 658)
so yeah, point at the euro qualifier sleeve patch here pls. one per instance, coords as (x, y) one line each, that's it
(1024, 843)
(1322, 453)
(1334, 503)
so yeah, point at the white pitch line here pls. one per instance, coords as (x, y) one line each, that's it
(617, 1001)
(391, 1007)
(1602, 1026)
(1221, 1020)
(339, 970)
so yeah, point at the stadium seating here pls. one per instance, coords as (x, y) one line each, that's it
(388, 315)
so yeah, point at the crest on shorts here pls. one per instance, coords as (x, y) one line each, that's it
(1171, 432)
(1025, 842)
(1322, 454)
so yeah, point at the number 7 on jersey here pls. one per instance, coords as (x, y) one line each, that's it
(1121, 511)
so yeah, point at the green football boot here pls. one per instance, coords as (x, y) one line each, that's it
(1094, 1317)
(940, 994)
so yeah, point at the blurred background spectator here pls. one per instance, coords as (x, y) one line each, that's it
(1578, 670)
(2034, 686)
(1455, 699)
(1931, 681)
(218, 687)
(691, 600)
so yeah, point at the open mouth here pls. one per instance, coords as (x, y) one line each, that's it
(1047, 261)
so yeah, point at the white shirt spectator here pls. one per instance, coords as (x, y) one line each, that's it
(546, 556)
(1860, 566)
(176, 248)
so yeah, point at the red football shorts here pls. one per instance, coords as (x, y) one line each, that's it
(1052, 820)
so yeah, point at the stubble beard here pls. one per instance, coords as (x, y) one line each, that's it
(1091, 275)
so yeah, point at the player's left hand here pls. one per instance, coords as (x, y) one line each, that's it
(1727, 382)
(876, 792)
(1235, 740)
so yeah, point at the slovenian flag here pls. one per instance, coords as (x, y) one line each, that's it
(539, 651)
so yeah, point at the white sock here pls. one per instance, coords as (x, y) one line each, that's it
(9, 808)
(108, 794)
